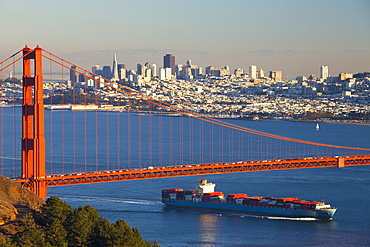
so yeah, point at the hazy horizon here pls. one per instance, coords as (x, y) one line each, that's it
(296, 37)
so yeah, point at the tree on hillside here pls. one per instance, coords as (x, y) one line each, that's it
(82, 224)
(59, 225)
(30, 234)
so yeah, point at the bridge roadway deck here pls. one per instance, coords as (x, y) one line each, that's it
(198, 169)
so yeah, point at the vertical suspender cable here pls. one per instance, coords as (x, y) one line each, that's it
(129, 135)
(192, 140)
(74, 128)
(182, 139)
(107, 139)
(51, 119)
(119, 134)
(212, 143)
(140, 136)
(202, 142)
(63, 149)
(239, 145)
(222, 144)
(229, 147)
(260, 152)
(14, 124)
(150, 137)
(85, 126)
(249, 147)
(97, 132)
(171, 140)
(160, 141)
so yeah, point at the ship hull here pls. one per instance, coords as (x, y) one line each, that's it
(321, 214)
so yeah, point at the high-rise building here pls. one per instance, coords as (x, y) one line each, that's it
(121, 66)
(115, 76)
(154, 69)
(324, 72)
(169, 73)
(179, 70)
(95, 69)
(276, 75)
(253, 71)
(209, 70)
(140, 69)
(162, 74)
(121, 71)
(238, 72)
(107, 72)
(261, 73)
(169, 62)
(73, 75)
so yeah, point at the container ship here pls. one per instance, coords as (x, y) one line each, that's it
(204, 198)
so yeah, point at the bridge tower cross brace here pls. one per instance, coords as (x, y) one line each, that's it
(33, 131)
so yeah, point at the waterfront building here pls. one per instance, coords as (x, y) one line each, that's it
(169, 62)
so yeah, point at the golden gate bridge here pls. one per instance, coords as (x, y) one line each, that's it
(246, 149)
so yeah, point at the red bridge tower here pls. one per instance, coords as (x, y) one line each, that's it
(33, 137)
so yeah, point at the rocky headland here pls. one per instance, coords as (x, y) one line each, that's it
(15, 202)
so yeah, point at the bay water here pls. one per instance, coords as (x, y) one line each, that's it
(138, 202)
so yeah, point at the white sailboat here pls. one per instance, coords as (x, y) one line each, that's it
(317, 126)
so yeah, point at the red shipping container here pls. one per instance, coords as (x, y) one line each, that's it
(175, 190)
(255, 197)
(239, 195)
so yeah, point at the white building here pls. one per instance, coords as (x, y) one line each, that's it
(324, 72)
(154, 69)
(168, 72)
(261, 74)
(115, 76)
(165, 74)
(253, 71)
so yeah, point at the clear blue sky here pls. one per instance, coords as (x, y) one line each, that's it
(295, 36)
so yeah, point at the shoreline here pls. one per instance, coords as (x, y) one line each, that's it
(174, 114)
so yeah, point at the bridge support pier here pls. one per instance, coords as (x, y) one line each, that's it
(33, 131)
(340, 162)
